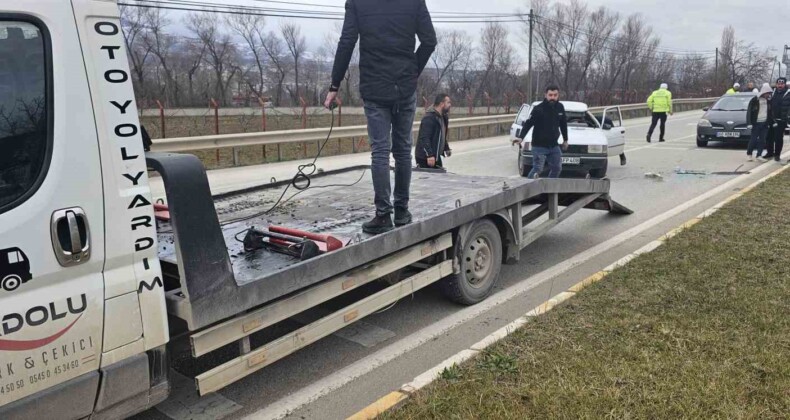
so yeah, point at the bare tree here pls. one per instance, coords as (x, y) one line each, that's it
(133, 21)
(273, 47)
(453, 48)
(162, 46)
(220, 51)
(251, 29)
(296, 44)
(189, 62)
(496, 54)
(744, 62)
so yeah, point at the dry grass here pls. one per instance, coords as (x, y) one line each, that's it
(699, 328)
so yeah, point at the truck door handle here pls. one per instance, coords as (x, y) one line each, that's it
(70, 236)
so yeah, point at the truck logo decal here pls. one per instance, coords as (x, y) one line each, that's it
(14, 269)
(22, 345)
(36, 316)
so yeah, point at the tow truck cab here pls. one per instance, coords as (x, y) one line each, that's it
(82, 318)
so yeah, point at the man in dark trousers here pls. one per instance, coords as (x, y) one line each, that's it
(780, 108)
(432, 140)
(388, 71)
(548, 120)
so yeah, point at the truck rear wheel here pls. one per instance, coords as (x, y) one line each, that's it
(11, 282)
(480, 260)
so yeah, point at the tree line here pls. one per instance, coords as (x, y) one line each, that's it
(594, 55)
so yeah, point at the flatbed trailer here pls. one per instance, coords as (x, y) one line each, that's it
(464, 228)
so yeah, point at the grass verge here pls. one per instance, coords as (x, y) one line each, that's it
(699, 328)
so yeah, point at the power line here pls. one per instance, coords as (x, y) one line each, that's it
(588, 34)
(187, 6)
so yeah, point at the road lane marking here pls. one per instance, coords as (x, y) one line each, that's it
(337, 379)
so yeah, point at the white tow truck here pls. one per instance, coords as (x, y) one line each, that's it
(95, 283)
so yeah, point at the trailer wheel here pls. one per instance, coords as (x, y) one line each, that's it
(480, 261)
(11, 282)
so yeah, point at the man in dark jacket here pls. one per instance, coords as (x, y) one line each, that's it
(547, 121)
(432, 140)
(388, 71)
(780, 109)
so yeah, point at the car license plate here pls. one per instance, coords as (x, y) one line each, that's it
(727, 134)
(572, 160)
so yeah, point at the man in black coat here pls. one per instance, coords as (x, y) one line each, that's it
(547, 121)
(388, 71)
(780, 109)
(432, 140)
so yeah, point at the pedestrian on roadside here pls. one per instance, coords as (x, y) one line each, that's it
(432, 142)
(388, 71)
(748, 88)
(547, 121)
(760, 117)
(734, 89)
(780, 109)
(660, 104)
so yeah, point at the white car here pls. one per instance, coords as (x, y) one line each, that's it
(591, 142)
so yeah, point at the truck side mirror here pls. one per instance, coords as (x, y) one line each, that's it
(706, 109)
(607, 126)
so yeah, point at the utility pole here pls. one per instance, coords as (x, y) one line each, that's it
(529, 65)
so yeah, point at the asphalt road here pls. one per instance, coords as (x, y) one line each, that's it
(343, 373)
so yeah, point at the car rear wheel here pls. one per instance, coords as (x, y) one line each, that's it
(523, 169)
(702, 143)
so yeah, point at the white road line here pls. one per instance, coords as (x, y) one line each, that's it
(335, 380)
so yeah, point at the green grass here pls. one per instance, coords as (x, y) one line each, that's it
(699, 328)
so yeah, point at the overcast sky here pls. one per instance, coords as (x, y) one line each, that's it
(682, 24)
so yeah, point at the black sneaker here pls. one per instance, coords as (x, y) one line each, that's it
(648, 138)
(379, 224)
(768, 157)
(661, 140)
(777, 159)
(402, 217)
(622, 160)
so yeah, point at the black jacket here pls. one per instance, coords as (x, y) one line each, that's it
(388, 65)
(780, 101)
(548, 122)
(754, 108)
(432, 139)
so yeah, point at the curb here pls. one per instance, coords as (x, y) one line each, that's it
(396, 398)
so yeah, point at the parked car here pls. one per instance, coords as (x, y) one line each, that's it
(591, 142)
(726, 120)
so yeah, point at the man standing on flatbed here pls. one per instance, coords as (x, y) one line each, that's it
(388, 71)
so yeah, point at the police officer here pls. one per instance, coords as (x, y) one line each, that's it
(660, 104)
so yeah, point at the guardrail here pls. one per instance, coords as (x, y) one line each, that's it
(263, 139)
(183, 144)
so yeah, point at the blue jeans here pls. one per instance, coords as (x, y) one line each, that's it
(539, 157)
(757, 142)
(389, 131)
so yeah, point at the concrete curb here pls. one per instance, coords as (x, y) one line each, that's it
(396, 398)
